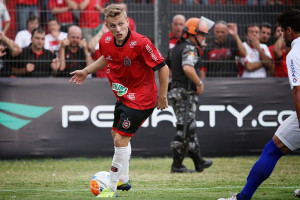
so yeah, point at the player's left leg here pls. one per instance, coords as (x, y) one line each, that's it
(286, 139)
(261, 170)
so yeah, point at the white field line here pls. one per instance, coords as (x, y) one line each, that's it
(143, 189)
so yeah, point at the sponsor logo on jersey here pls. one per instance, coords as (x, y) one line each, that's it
(293, 69)
(150, 51)
(121, 89)
(108, 58)
(108, 39)
(132, 44)
(294, 80)
(127, 62)
(126, 124)
(131, 96)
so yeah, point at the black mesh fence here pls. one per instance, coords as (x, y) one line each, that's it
(40, 56)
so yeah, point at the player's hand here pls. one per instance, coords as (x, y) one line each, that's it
(78, 76)
(200, 89)
(162, 103)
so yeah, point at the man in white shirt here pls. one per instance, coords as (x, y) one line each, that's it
(4, 17)
(23, 38)
(258, 59)
(54, 37)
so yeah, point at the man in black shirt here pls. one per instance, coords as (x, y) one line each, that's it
(219, 54)
(35, 61)
(8, 50)
(73, 52)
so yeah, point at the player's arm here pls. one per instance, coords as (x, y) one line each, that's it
(80, 75)
(190, 72)
(296, 97)
(163, 74)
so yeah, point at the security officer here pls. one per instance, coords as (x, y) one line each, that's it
(185, 88)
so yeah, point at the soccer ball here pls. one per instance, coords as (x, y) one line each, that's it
(99, 181)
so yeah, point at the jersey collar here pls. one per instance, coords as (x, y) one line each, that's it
(294, 41)
(127, 37)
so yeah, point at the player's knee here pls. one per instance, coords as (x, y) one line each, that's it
(113, 133)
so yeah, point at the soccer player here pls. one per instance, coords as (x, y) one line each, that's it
(131, 60)
(287, 136)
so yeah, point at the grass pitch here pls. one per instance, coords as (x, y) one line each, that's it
(151, 179)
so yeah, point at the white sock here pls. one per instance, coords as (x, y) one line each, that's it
(125, 175)
(119, 161)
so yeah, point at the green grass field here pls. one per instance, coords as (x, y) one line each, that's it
(151, 179)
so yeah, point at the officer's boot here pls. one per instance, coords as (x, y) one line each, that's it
(199, 162)
(178, 156)
(194, 153)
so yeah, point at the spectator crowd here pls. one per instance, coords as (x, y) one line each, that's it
(68, 40)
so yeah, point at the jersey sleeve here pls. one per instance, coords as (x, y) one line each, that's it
(152, 56)
(293, 66)
(19, 40)
(6, 16)
(189, 56)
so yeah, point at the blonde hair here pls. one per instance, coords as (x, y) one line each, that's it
(114, 10)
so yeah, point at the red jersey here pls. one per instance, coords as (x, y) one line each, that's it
(280, 64)
(27, 2)
(102, 72)
(131, 69)
(64, 17)
(90, 16)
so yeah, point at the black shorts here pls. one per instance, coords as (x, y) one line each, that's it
(128, 120)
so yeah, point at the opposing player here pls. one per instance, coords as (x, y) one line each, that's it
(131, 60)
(287, 136)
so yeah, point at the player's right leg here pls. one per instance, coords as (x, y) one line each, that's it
(124, 181)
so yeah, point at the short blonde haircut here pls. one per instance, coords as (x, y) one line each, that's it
(114, 10)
